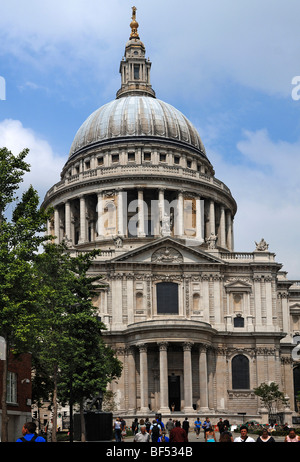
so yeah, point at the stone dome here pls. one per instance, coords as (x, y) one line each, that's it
(136, 116)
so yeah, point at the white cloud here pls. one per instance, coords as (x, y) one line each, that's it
(266, 187)
(253, 43)
(45, 164)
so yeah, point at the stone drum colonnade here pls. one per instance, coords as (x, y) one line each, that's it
(148, 212)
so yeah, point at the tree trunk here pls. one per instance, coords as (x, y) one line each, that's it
(82, 423)
(54, 420)
(5, 418)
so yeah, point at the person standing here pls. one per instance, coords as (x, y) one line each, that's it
(178, 434)
(123, 428)
(135, 426)
(186, 425)
(142, 436)
(29, 434)
(292, 437)
(265, 437)
(244, 438)
(210, 436)
(155, 431)
(226, 433)
(197, 424)
(221, 425)
(169, 425)
(206, 425)
(117, 429)
(163, 438)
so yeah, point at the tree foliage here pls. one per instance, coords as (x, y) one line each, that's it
(20, 238)
(270, 396)
(71, 347)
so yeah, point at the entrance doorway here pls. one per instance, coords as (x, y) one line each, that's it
(174, 391)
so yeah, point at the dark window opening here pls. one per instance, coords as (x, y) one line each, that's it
(147, 156)
(238, 322)
(136, 71)
(131, 156)
(240, 373)
(167, 298)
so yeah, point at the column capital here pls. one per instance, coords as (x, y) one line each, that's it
(163, 346)
(203, 348)
(187, 346)
(142, 347)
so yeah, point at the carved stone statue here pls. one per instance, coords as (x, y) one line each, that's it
(165, 225)
(211, 240)
(262, 246)
(118, 242)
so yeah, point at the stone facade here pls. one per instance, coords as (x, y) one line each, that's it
(195, 324)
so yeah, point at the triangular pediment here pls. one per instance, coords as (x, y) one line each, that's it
(168, 250)
(238, 286)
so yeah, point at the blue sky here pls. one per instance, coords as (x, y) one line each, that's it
(227, 65)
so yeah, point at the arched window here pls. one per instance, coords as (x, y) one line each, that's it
(296, 376)
(240, 373)
(167, 298)
(196, 302)
(139, 301)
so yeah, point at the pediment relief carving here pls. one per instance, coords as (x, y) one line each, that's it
(166, 255)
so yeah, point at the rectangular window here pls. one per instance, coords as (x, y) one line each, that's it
(115, 158)
(163, 157)
(176, 160)
(147, 156)
(167, 298)
(136, 72)
(131, 156)
(12, 387)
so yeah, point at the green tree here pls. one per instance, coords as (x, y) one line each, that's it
(271, 398)
(20, 238)
(70, 339)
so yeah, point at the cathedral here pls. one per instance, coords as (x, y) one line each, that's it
(196, 325)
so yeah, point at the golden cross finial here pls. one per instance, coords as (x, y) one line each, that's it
(134, 25)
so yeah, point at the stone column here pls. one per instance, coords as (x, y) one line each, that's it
(222, 228)
(82, 220)
(141, 214)
(229, 230)
(221, 371)
(210, 375)
(203, 378)
(179, 221)
(121, 213)
(144, 379)
(100, 228)
(161, 200)
(257, 300)
(212, 223)
(163, 378)
(286, 316)
(199, 219)
(269, 302)
(68, 221)
(56, 226)
(188, 387)
(131, 380)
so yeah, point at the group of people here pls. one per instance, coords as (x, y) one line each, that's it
(173, 431)
(157, 432)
